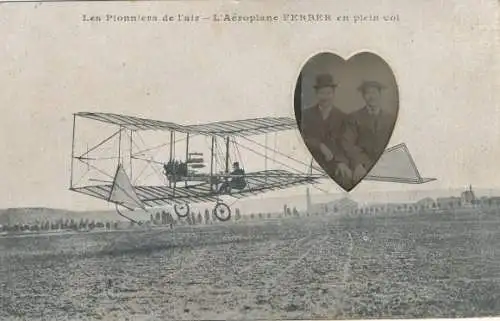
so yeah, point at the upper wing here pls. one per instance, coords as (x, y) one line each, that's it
(130, 122)
(242, 127)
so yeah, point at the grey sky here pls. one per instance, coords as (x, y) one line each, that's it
(444, 56)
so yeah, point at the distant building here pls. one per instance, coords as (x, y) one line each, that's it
(427, 202)
(308, 200)
(343, 205)
(400, 207)
(484, 199)
(392, 207)
(468, 197)
(448, 202)
(494, 201)
(379, 208)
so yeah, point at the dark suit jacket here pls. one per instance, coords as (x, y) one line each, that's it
(315, 131)
(365, 137)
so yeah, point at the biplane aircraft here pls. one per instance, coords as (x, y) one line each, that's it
(124, 167)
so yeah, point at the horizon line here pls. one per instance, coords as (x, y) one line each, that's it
(336, 193)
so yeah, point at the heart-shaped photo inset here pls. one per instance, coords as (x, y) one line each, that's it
(346, 111)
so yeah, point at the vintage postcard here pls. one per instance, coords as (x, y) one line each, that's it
(249, 160)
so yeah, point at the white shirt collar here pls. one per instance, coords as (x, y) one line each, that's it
(371, 111)
(325, 111)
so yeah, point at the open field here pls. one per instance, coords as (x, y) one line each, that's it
(421, 265)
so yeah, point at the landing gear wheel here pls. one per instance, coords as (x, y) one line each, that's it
(222, 212)
(182, 210)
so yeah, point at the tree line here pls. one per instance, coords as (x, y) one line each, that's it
(158, 218)
(61, 224)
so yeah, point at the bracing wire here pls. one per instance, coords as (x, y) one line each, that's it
(148, 160)
(218, 155)
(320, 189)
(209, 147)
(102, 143)
(216, 161)
(155, 169)
(265, 153)
(97, 158)
(163, 145)
(237, 151)
(100, 171)
(277, 152)
(132, 157)
(149, 175)
(275, 146)
(260, 154)
(79, 180)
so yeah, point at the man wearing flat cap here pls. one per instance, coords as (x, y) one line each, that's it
(321, 127)
(367, 131)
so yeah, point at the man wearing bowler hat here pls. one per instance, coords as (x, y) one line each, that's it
(367, 131)
(321, 128)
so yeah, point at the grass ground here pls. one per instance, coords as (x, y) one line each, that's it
(398, 266)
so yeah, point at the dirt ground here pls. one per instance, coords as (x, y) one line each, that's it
(406, 266)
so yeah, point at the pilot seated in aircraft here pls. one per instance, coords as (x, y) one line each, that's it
(237, 180)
